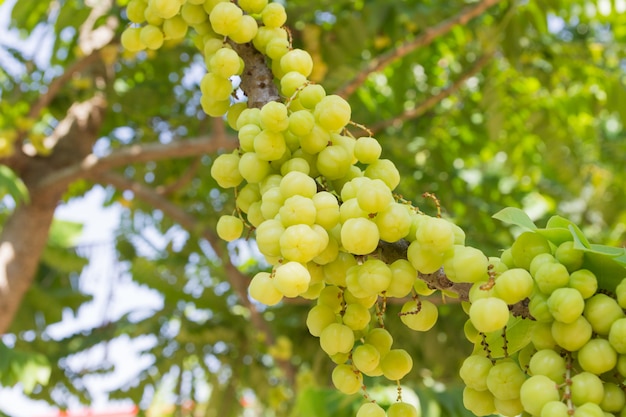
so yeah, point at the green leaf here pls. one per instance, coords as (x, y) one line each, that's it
(517, 337)
(36, 370)
(580, 241)
(556, 235)
(515, 216)
(27, 14)
(13, 185)
(64, 233)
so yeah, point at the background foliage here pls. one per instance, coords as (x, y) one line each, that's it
(522, 106)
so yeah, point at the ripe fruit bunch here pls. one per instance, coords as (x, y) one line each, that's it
(571, 360)
(320, 202)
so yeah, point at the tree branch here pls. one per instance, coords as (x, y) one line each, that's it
(390, 252)
(25, 233)
(237, 279)
(92, 164)
(434, 100)
(424, 39)
(257, 80)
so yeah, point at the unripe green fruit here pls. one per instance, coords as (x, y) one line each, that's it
(514, 285)
(536, 392)
(489, 314)
(420, 321)
(371, 410)
(584, 281)
(346, 379)
(396, 364)
(566, 304)
(602, 311)
(551, 276)
(586, 387)
(568, 256)
(597, 356)
(336, 338)
(402, 410)
(505, 379)
(572, 336)
(474, 372)
(262, 289)
(366, 357)
(480, 403)
(229, 228)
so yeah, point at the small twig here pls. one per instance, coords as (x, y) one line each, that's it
(505, 346)
(485, 345)
(432, 101)
(424, 39)
(436, 200)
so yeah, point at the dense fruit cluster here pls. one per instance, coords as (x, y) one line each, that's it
(573, 361)
(320, 204)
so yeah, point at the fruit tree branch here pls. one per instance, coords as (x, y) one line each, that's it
(257, 80)
(432, 101)
(93, 164)
(422, 40)
(238, 280)
(390, 252)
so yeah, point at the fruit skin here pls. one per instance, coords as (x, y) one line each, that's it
(505, 379)
(421, 321)
(566, 304)
(396, 364)
(402, 410)
(602, 311)
(597, 356)
(586, 387)
(572, 336)
(551, 276)
(481, 403)
(336, 338)
(617, 336)
(370, 410)
(537, 391)
(489, 314)
(514, 285)
(346, 379)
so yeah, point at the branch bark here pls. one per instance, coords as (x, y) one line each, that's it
(424, 39)
(437, 98)
(257, 81)
(390, 252)
(237, 279)
(91, 164)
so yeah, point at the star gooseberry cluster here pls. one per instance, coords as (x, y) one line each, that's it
(320, 203)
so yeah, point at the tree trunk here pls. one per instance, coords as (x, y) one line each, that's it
(25, 233)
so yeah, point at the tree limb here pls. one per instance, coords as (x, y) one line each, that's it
(390, 252)
(434, 100)
(424, 39)
(237, 279)
(257, 80)
(92, 164)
